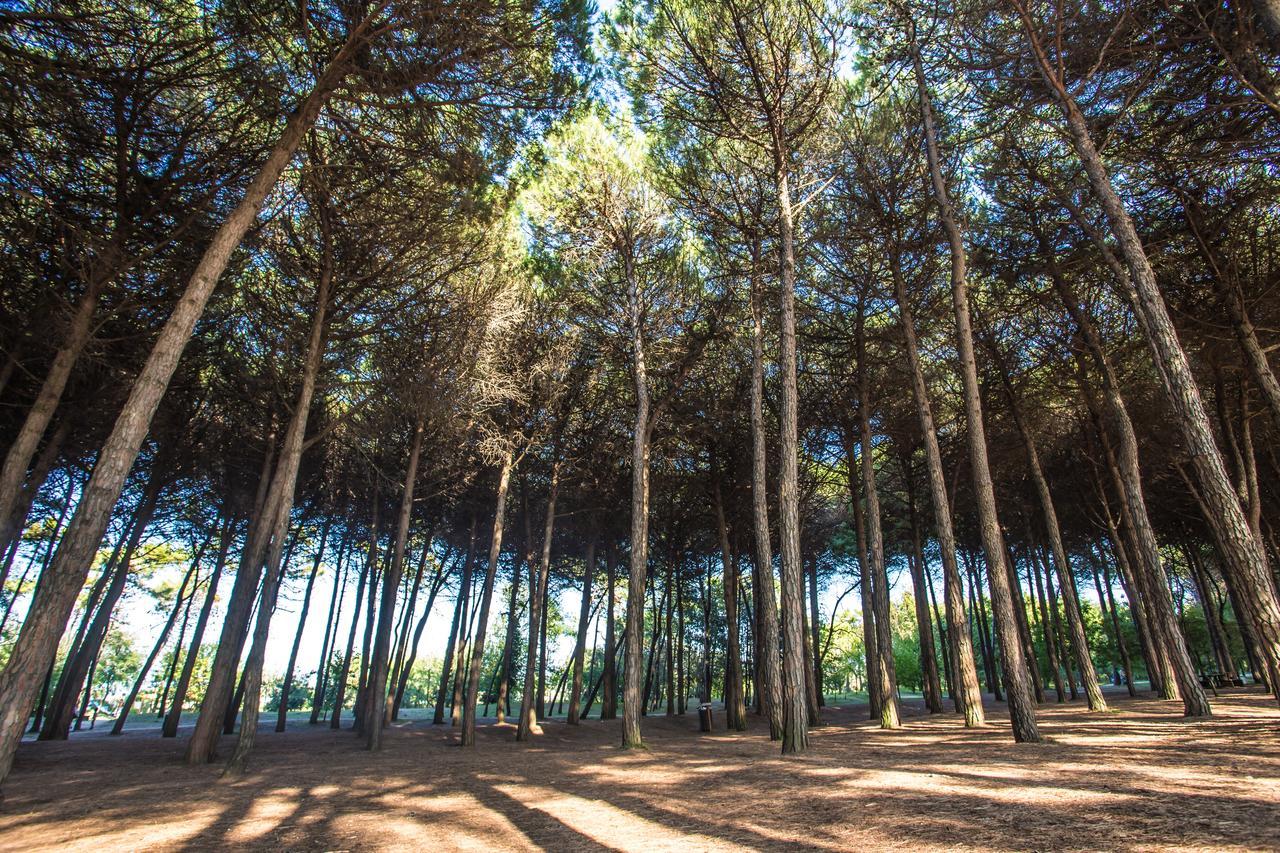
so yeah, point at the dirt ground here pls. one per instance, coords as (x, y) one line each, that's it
(1137, 778)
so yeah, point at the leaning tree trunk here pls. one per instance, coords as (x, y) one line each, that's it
(1021, 702)
(1066, 580)
(174, 714)
(286, 684)
(344, 671)
(1243, 557)
(870, 646)
(528, 724)
(37, 643)
(203, 745)
(18, 458)
(580, 642)
(459, 625)
(767, 651)
(882, 668)
(968, 692)
(471, 695)
(336, 596)
(377, 688)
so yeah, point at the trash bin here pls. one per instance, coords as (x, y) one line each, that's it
(704, 716)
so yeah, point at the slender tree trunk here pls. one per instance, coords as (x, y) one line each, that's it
(795, 734)
(967, 690)
(735, 712)
(286, 684)
(11, 529)
(1046, 629)
(924, 624)
(174, 714)
(366, 573)
(884, 669)
(377, 691)
(768, 652)
(471, 695)
(330, 629)
(1021, 705)
(528, 725)
(609, 672)
(580, 643)
(632, 702)
(458, 626)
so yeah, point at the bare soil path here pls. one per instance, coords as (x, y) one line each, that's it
(1137, 778)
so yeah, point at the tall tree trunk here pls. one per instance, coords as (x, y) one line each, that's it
(458, 626)
(580, 642)
(884, 670)
(538, 573)
(735, 711)
(1243, 556)
(174, 714)
(203, 745)
(795, 733)
(377, 691)
(968, 692)
(286, 684)
(632, 702)
(471, 695)
(767, 652)
(55, 597)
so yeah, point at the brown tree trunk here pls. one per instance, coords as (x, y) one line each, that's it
(767, 653)
(538, 573)
(377, 690)
(471, 695)
(580, 643)
(884, 671)
(924, 624)
(795, 733)
(871, 652)
(735, 711)
(1021, 702)
(286, 684)
(609, 673)
(336, 596)
(366, 578)
(173, 716)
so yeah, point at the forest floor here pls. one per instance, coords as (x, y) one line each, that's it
(1139, 777)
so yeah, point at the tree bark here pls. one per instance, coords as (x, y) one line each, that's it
(767, 651)
(486, 598)
(580, 643)
(377, 690)
(174, 714)
(528, 725)
(286, 684)
(735, 711)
